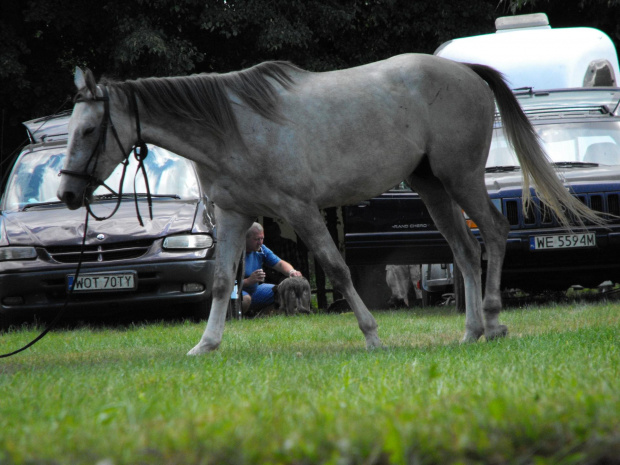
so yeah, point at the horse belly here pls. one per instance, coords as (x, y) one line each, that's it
(360, 150)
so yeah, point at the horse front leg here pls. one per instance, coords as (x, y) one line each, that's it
(309, 224)
(231, 230)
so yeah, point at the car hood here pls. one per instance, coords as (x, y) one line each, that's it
(597, 174)
(57, 225)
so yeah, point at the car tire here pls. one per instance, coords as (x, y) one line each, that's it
(430, 299)
(5, 321)
(369, 282)
(201, 310)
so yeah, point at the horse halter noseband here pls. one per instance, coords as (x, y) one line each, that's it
(140, 153)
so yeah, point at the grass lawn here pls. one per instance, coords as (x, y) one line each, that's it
(304, 390)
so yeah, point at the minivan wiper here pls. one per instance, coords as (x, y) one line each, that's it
(41, 204)
(140, 195)
(501, 169)
(575, 164)
(161, 196)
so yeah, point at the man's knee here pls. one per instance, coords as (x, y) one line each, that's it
(246, 302)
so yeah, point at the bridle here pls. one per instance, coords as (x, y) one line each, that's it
(139, 149)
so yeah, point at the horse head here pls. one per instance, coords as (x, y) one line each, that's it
(97, 141)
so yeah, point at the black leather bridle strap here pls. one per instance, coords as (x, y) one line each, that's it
(94, 156)
(140, 151)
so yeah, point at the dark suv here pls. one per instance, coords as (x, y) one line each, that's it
(580, 129)
(168, 262)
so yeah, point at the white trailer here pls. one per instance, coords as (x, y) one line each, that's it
(532, 54)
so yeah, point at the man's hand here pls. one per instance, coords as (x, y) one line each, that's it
(257, 276)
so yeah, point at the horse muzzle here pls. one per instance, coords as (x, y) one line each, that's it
(70, 199)
(75, 198)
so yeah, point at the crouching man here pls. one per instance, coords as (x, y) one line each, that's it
(256, 293)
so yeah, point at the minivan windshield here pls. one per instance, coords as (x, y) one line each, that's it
(34, 179)
(593, 142)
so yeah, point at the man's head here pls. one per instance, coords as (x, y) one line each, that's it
(254, 238)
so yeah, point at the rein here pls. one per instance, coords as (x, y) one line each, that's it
(140, 153)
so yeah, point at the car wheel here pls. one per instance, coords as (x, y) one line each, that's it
(369, 282)
(430, 299)
(201, 310)
(5, 321)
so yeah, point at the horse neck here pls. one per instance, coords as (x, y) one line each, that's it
(184, 137)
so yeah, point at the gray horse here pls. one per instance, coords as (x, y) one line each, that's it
(279, 141)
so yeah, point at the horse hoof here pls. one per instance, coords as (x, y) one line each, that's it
(373, 343)
(500, 331)
(200, 349)
(471, 336)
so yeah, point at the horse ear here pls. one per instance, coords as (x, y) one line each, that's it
(79, 79)
(91, 84)
(85, 80)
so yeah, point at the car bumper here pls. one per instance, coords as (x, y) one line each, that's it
(396, 248)
(158, 284)
(523, 268)
(560, 268)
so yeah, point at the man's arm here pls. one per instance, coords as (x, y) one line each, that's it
(286, 269)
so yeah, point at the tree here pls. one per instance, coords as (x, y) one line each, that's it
(41, 41)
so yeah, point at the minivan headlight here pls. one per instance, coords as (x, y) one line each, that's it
(188, 242)
(17, 253)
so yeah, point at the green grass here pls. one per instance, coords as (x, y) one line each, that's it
(305, 390)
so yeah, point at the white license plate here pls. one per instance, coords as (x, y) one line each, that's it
(563, 241)
(94, 282)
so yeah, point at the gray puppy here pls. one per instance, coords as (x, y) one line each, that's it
(293, 295)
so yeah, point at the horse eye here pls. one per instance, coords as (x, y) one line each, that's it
(89, 131)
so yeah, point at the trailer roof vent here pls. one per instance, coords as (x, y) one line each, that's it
(535, 20)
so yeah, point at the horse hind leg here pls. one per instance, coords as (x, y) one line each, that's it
(494, 229)
(310, 226)
(466, 250)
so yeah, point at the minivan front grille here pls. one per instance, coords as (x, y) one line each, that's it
(99, 252)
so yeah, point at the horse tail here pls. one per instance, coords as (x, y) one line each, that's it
(535, 164)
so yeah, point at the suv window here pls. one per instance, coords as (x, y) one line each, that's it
(582, 142)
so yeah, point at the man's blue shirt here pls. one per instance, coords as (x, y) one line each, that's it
(255, 261)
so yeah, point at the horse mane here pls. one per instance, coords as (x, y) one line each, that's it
(204, 97)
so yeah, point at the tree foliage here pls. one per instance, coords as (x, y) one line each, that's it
(41, 41)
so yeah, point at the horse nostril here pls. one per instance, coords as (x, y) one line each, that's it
(69, 199)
